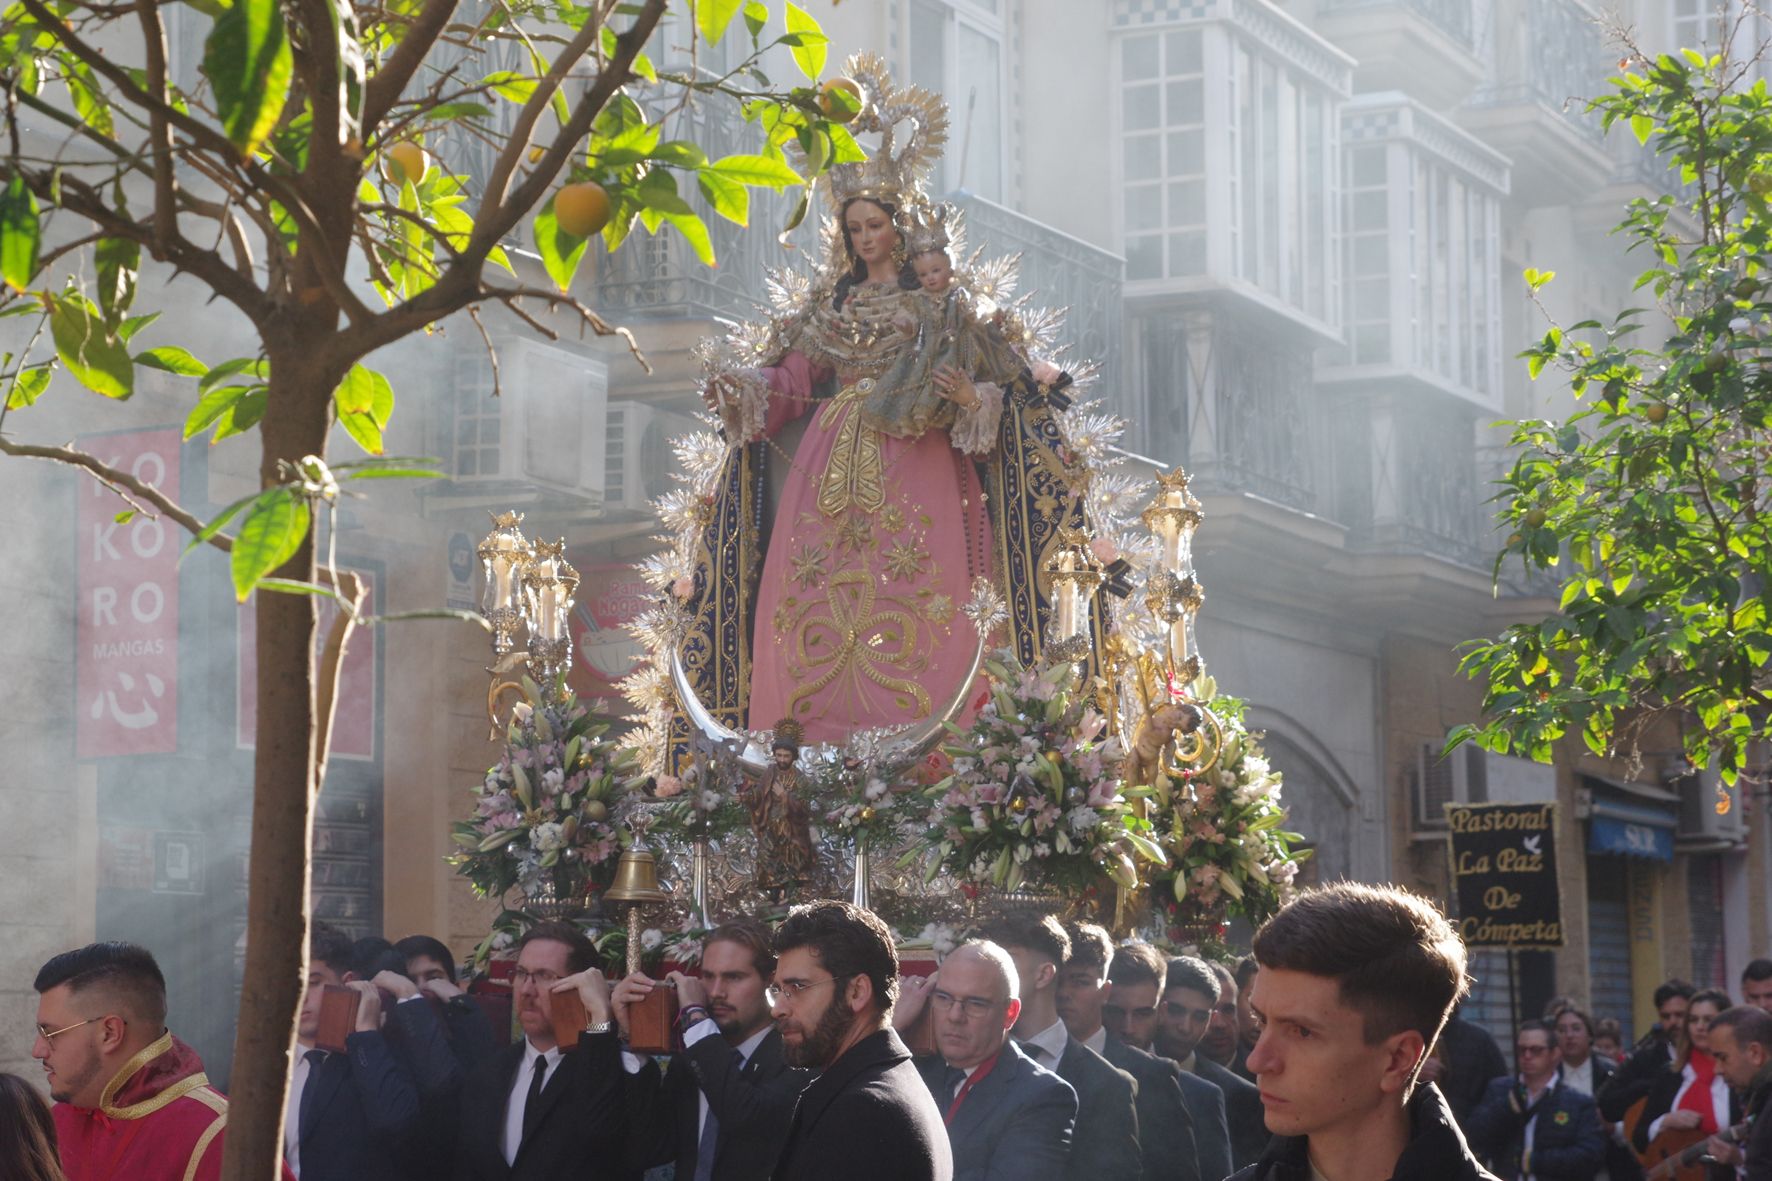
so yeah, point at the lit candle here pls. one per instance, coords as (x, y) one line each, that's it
(1172, 531)
(504, 566)
(548, 611)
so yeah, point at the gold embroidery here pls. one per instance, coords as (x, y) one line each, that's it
(939, 609)
(809, 566)
(856, 533)
(855, 474)
(892, 518)
(147, 1107)
(854, 640)
(906, 560)
(203, 1142)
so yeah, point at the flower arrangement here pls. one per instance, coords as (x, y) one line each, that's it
(1035, 795)
(677, 946)
(702, 802)
(1222, 827)
(863, 806)
(543, 816)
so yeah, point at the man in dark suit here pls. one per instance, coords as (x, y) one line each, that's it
(868, 1116)
(1190, 993)
(349, 1114)
(722, 1110)
(1533, 1125)
(1651, 1056)
(1165, 1127)
(1138, 973)
(1585, 1071)
(537, 1110)
(1741, 1042)
(1222, 1043)
(1105, 1143)
(1008, 1119)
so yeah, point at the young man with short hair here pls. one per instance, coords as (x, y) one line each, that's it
(131, 1100)
(1248, 1030)
(722, 1110)
(1741, 1042)
(868, 1116)
(1355, 983)
(1191, 993)
(1535, 1125)
(1138, 973)
(1105, 1144)
(1756, 984)
(1165, 1127)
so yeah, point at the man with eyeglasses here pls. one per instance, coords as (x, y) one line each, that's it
(867, 1117)
(536, 1111)
(1006, 1117)
(1534, 1127)
(1190, 994)
(131, 1101)
(1138, 973)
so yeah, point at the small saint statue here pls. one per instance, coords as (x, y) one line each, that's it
(781, 817)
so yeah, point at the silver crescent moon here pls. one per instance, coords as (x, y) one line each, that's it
(910, 747)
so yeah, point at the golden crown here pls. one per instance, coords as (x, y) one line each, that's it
(925, 227)
(912, 125)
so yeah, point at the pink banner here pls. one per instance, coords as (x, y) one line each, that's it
(610, 595)
(353, 723)
(126, 629)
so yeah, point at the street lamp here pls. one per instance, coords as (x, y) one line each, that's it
(530, 587)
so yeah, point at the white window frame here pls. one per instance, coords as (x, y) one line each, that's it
(993, 25)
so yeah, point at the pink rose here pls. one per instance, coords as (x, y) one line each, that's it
(667, 786)
(1105, 551)
(683, 587)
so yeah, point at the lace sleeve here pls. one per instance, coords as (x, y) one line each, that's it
(975, 430)
(746, 412)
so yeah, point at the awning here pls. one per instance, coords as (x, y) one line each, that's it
(1631, 820)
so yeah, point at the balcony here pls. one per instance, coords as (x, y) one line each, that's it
(1423, 256)
(1228, 161)
(1549, 58)
(1409, 479)
(1059, 271)
(1426, 48)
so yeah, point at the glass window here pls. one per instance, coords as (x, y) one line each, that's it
(981, 116)
(1144, 257)
(1144, 157)
(1144, 208)
(955, 50)
(1138, 59)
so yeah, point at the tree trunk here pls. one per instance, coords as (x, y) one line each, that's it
(286, 782)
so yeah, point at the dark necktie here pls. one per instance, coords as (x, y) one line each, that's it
(532, 1105)
(710, 1134)
(309, 1088)
(951, 1079)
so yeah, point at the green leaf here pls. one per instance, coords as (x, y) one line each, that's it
(809, 52)
(756, 18)
(510, 85)
(101, 365)
(712, 17)
(560, 252)
(248, 365)
(221, 519)
(695, 232)
(28, 385)
(772, 171)
(363, 430)
(21, 235)
(248, 62)
(118, 261)
(727, 197)
(681, 153)
(135, 324)
(210, 407)
(172, 359)
(270, 534)
(89, 101)
(243, 415)
(366, 392)
(1642, 126)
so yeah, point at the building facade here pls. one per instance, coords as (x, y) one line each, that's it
(1292, 233)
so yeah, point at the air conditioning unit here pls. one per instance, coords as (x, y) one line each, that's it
(545, 428)
(1457, 778)
(1710, 814)
(637, 459)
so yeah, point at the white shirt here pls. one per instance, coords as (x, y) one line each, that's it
(1719, 1098)
(1051, 1042)
(1580, 1078)
(519, 1098)
(298, 1079)
(1097, 1041)
(706, 1028)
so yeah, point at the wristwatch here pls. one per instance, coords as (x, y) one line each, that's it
(600, 1027)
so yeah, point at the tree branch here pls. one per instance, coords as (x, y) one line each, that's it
(383, 90)
(116, 478)
(160, 131)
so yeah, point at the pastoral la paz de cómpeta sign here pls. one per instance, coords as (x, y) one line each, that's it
(1504, 874)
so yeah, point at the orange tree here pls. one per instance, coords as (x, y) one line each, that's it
(297, 161)
(1649, 504)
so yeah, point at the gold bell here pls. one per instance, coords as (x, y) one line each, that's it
(636, 879)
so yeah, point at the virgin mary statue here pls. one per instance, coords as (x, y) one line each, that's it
(885, 444)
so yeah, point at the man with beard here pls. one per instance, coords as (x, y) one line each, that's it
(1652, 1056)
(868, 1116)
(1165, 1128)
(721, 1112)
(1190, 996)
(131, 1101)
(1137, 974)
(1221, 1043)
(1741, 1042)
(1006, 1116)
(536, 1110)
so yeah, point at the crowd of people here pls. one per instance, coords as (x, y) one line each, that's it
(1038, 1051)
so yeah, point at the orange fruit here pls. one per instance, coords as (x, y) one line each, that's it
(582, 209)
(1655, 411)
(406, 161)
(829, 105)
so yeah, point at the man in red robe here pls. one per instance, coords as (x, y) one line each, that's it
(132, 1102)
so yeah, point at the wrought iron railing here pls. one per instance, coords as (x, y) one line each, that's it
(1550, 52)
(1452, 17)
